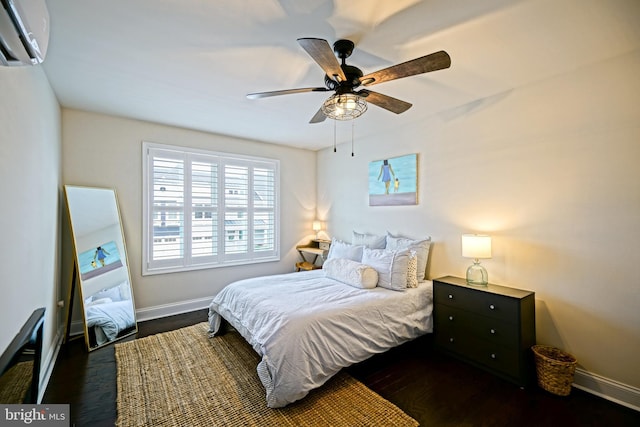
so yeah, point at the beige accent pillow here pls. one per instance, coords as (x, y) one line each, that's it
(412, 270)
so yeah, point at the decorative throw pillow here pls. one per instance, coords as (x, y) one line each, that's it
(421, 247)
(340, 249)
(371, 241)
(391, 266)
(351, 273)
(412, 270)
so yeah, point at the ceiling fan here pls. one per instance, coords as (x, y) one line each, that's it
(347, 103)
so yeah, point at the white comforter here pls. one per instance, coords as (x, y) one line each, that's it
(307, 327)
(111, 319)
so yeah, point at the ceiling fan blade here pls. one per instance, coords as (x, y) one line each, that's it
(259, 95)
(385, 101)
(433, 62)
(322, 53)
(319, 117)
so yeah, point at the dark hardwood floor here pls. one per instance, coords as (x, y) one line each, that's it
(433, 388)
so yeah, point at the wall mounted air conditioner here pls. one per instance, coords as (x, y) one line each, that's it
(24, 32)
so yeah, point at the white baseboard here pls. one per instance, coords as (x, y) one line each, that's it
(606, 388)
(166, 310)
(46, 368)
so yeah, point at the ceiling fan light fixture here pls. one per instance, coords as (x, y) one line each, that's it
(345, 106)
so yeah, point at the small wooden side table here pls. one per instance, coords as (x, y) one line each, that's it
(316, 250)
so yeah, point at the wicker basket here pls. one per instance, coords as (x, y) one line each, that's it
(555, 369)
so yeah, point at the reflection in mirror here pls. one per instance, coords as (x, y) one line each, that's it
(101, 265)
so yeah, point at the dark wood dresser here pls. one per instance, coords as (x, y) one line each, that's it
(492, 327)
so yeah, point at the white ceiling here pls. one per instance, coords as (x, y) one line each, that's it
(190, 63)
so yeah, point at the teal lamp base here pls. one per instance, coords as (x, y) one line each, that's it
(477, 275)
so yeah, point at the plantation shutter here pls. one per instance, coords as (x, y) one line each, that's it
(204, 209)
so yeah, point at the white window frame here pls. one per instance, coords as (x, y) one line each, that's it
(187, 262)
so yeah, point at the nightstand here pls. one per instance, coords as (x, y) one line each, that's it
(492, 327)
(317, 249)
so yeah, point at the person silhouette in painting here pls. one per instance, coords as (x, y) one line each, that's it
(396, 185)
(100, 254)
(386, 171)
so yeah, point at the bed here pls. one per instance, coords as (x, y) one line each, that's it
(307, 326)
(109, 313)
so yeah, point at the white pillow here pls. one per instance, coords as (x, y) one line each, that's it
(391, 266)
(372, 241)
(112, 293)
(351, 272)
(98, 301)
(125, 291)
(420, 246)
(340, 249)
(412, 270)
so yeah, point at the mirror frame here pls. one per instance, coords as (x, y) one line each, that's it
(77, 275)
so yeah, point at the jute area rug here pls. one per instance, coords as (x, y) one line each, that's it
(184, 378)
(15, 383)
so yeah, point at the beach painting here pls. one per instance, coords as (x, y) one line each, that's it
(394, 181)
(99, 260)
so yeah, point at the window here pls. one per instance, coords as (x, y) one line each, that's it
(204, 209)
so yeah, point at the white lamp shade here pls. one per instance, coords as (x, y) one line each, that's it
(476, 246)
(317, 226)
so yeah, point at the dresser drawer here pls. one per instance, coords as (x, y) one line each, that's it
(498, 358)
(492, 327)
(497, 331)
(483, 303)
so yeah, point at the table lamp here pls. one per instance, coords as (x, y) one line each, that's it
(317, 226)
(476, 246)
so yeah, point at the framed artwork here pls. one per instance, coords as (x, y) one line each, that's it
(394, 181)
(99, 260)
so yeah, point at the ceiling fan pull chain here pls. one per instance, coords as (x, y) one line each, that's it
(334, 136)
(353, 125)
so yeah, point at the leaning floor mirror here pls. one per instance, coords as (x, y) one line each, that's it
(101, 270)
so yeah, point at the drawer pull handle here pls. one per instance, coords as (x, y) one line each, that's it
(450, 317)
(450, 296)
(492, 307)
(493, 355)
(493, 331)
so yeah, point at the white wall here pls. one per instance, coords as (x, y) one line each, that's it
(551, 172)
(106, 151)
(31, 193)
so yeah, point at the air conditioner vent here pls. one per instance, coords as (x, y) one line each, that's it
(24, 32)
